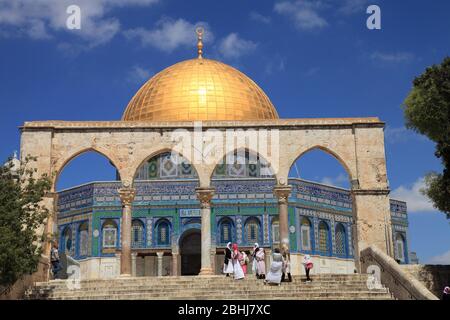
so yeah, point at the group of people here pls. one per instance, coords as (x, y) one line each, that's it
(236, 262)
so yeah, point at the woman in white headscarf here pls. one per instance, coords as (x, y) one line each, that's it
(228, 262)
(286, 264)
(259, 265)
(276, 268)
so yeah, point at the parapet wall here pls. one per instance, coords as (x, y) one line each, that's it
(403, 285)
(433, 277)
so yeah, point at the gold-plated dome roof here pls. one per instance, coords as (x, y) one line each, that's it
(199, 89)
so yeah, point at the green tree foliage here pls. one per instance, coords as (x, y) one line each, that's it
(427, 111)
(21, 214)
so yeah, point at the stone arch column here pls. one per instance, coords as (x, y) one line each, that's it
(371, 204)
(282, 193)
(127, 195)
(205, 195)
(39, 144)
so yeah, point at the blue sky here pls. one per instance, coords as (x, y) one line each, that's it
(313, 59)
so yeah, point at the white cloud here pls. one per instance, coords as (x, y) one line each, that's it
(353, 6)
(440, 259)
(341, 180)
(41, 19)
(311, 72)
(255, 16)
(401, 134)
(305, 14)
(170, 34)
(397, 57)
(415, 200)
(312, 14)
(139, 75)
(232, 46)
(275, 64)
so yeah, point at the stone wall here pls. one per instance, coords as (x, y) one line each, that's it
(434, 277)
(17, 290)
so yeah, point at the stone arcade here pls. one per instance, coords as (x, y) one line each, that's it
(167, 217)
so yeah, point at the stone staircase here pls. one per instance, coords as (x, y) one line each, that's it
(334, 287)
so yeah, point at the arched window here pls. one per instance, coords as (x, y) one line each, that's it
(305, 234)
(324, 238)
(109, 234)
(163, 233)
(340, 238)
(275, 231)
(137, 234)
(400, 247)
(252, 230)
(67, 240)
(226, 231)
(83, 240)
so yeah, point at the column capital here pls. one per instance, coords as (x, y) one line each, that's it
(282, 192)
(160, 254)
(205, 194)
(371, 192)
(127, 195)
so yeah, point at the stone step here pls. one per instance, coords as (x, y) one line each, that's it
(191, 279)
(337, 287)
(194, 285)
(283, 287)
(212, 282)
(199, 295)
(256, 296)
(200, 289)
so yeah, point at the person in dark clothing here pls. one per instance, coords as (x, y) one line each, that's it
(54, 260)
(446, 294)
(228, 263)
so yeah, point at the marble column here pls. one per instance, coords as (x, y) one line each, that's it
(126, 196)
(133, 264)
(205, 195)
(282, 193)
(160, 255)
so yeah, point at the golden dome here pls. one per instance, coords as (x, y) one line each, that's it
(199, 89)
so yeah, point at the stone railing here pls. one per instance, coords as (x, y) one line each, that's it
(385, 269)
(434, 277)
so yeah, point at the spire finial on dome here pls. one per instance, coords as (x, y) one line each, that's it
(200, 32)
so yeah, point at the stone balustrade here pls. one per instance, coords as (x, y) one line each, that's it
(401, 284)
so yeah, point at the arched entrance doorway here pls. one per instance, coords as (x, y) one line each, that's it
(190, 250)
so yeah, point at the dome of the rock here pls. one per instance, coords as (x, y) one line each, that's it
(199, 89)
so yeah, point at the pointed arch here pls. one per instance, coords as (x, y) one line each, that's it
(247, 164)
(226, 230)
(341, 240)
(351, 175)
(176, 158)
(163, 232)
